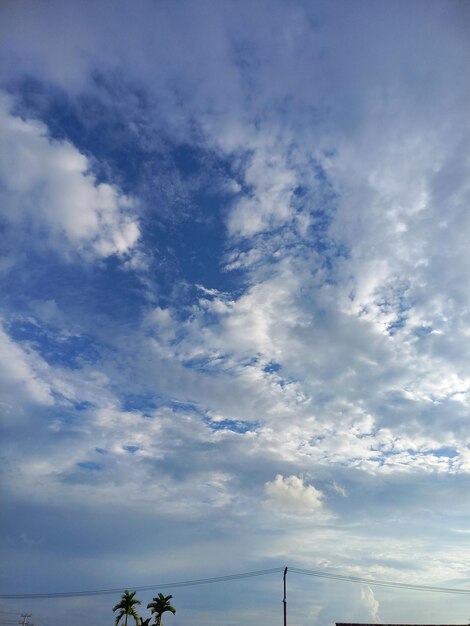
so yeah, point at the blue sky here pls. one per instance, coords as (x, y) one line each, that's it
(235, 305)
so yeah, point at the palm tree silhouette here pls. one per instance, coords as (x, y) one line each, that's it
(126, 607)
(161, 604)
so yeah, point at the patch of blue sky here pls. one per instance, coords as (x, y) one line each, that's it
(272, 367)
(397, 324)
(319, 203)
(323, 398)
(87, 122)
(65, 412)
(145, 403)
(207, 365)
(55, 347)
(319, 199)
(131, 449)
(82, 405)
(423, 331)
(445, 451)
(236, 426)
(148, 406)
(84, 293)
(192, 158)
(194, 243)
(182, 187)
(186, 243)
(329, 252)
(90, 465)
(395, 301)
(185, 407)
(285, 382)
(198, 246)
(317, 440)
(380, 460)
(114, 292)
(186, 237)
(225, 363)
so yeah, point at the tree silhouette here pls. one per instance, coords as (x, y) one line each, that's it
(126, 607)
(161, 604)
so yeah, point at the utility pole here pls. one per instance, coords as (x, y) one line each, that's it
(284, 601)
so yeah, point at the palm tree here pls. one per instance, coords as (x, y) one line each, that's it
(161, 604)
(126, 607)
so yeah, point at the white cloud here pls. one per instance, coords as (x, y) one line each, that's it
(21, 373)
(339, 489)
(291, 495)
(370, 603)
(294, 320)
(271, 184)
(48, 184)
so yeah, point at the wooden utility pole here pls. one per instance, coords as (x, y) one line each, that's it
(285, 597)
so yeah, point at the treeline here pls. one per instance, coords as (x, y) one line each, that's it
(127, 608)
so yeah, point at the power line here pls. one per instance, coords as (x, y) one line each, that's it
(381, 583)
(186, 583)
(230, 577)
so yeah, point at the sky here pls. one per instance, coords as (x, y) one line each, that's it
(235, 312)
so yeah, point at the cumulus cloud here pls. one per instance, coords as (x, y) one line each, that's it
(291, 495)
(358, 605)
(48, 184)
(371, 603)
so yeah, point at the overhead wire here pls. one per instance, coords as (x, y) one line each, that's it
(98, 592)
(381, 583)
(230, 577)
